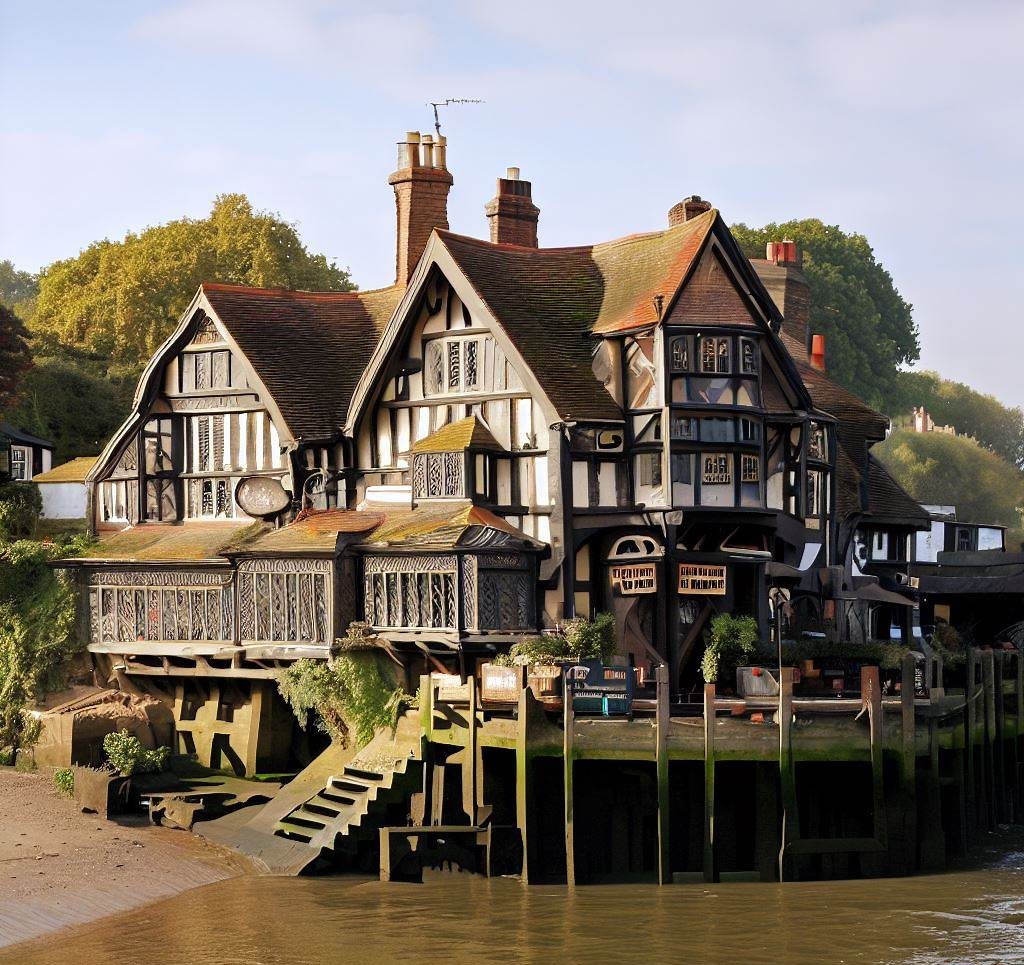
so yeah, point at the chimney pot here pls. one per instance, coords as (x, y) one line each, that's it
(818, 352)
(511, 212)
(512, 174)
(687, 209)
(783, 253)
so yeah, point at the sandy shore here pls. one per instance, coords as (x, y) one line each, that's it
(60, 867)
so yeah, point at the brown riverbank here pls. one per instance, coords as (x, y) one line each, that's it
(60, 867)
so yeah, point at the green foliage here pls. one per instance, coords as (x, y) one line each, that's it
(15, 357)
(121, 299)
(16, 287)
(127, 755)
(949, 644)
(37, 629)
(731, 640)
(64, 781)
(20, 506)
(581, 639)
(996, 426)
(868, 326)
(937, 468)
(353, 696)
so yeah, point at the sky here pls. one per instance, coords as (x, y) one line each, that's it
(903, 121)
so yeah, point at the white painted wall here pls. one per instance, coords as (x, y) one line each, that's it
(63, 500)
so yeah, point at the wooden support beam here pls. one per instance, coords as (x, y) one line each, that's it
(787, 778)
(766, 818)
(908, 764)
(709, 864)
(871, 694)
(1018, 722)
(933, 844)
(568, 754)
(1002, 808)
(988, 711)
(971, 692)
(469, 762)
(525, 807)
(662, 724)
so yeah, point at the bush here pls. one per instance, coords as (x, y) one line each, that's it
(127, 755)
(20, 507)
(581, 639)
(353, 696)
(731, 640)
(64, 780)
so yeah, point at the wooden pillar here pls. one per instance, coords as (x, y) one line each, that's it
(973, 811)
(662, 724)
(988, 747)
(871, 694)
(1018, 722)
(766, 842)
(525, 809)
(568, 721)
(1003, 813)
(787, 777)
(710, 869)
(933, 843)
(908, 764)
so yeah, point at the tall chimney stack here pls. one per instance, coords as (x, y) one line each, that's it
(687, 210)
(782, 274)
(818, 352)
(511, 212)
(421, 184)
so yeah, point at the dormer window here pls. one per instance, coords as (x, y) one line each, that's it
(453, 365)
(716, 355)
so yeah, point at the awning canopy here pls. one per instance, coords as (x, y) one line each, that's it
(876, 594)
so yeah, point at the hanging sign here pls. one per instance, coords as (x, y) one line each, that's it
(635, 579)
(701, 579)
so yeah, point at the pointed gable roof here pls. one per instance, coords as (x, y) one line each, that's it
(468, 433)
(308, 348)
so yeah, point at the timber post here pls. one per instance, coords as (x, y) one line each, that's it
(525, 810)
(470, 776)
(1018, 722)
(787, 777)
(933, 845)
(871, 694)
(999, 701)
(908, 764)
(709, 864)
(989, 730)
(569, 724)
(970, 724)
(662, 723)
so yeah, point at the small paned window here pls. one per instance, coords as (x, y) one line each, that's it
(817, 447)
(750, 468)
(683, 427)
(717, 468)
(750, 430)
(648, 469)
(453, 365)
(19, 463)
(748, 356)
(964, 541)
(437, 475)
(717, 430)
(715, 355)
(679, 354)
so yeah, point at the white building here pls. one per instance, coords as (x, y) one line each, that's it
(63, 489)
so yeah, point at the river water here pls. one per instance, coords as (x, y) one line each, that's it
(972, 916)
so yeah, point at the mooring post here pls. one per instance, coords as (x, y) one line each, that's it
(871, 695)
(662, 723)
(525, 810)
(933, 845)
(787, 777)
(469, 761)
(908, 763)
(999, 701)
(568, 723)
(989, 717)
(970, 725)
(710, 869)
(1018, 722)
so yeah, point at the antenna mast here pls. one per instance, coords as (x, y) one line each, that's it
(446, 103)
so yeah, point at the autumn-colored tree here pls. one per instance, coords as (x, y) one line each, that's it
(121, 299)
(15, 358)
(869, 327)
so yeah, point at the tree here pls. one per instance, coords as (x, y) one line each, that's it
(996, 426)
(15, 358)
(868, 325)
(121, 299)
(16, 286)
(953, 470)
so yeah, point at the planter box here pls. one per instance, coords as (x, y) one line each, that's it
(545, 681)
(499, 685)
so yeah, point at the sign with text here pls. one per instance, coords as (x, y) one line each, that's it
(702, 579)
(600, 689)
(635, 579)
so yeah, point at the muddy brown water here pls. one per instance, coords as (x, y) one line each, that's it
(971, 916)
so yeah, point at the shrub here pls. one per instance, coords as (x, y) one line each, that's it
(353, 696)
(581, 639)
(127, 755)
(64, 780)
(20, 507)
(731, 640)
(948, 643)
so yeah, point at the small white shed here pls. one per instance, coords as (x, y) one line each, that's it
(63, 489)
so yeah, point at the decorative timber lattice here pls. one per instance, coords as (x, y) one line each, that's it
(284, 601)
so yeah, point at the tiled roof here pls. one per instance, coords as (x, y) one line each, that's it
(552, 300)
(457, 437)
(26, 439)
(74, 471)
(309, 348)
(445, 526)
(886, 498)
(316, 532)
(164, 542)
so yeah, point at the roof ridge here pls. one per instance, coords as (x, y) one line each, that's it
(293, 292)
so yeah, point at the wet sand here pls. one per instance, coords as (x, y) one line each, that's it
(60, 867)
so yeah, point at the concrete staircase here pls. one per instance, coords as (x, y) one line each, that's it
(322, 813)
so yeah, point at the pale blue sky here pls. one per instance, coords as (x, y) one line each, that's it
(900, 120)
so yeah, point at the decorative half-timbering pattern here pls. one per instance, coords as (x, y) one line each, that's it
(284, 601)
(411, 592)
(166, 606)
(506, 593)
(468, 568)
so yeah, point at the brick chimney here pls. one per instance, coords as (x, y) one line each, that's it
(421, 184)
(782, 274)
(818, 352)
(687, 210)
(511, 212)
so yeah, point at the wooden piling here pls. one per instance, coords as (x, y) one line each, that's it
(662, 724)
(470, 775)
(709, 865)
(988, 711)
(525, 805)
(933, 844)
(1002, 808)
(973, 811)
(1018, 723)
(787, 777)
(908, 764)
(871, 694)
(568, 722)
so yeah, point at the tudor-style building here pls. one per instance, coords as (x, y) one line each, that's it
(506, 437)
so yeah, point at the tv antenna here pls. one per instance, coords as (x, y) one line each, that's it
(447, 102)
